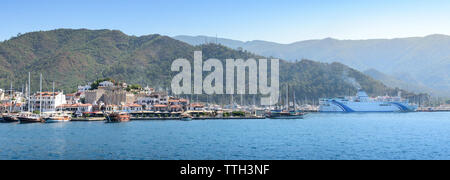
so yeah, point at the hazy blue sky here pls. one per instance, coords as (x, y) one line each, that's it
(273, 20)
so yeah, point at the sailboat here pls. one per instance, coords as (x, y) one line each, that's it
(30, 117)
(286, 113)
(10, 117)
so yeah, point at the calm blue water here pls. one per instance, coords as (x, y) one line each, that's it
(318, 136)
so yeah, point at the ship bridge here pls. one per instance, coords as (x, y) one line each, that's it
(362, 96)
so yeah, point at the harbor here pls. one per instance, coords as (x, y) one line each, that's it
(112, 101)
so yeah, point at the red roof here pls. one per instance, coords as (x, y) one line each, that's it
(75, 105)
(46, 94)
(160, 106)
(175, 107)
(197, 105)
(132, 105)
(9, 104)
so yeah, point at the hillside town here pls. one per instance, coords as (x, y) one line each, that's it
(109, 100)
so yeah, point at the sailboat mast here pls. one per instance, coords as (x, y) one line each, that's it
(295, 103)
(29, 91)
(11, 97)
(287, 97)
(40, 95)
(53, 94)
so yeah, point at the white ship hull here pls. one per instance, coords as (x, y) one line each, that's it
(363, 103)
(342, 106)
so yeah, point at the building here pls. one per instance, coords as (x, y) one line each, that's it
(73, 98)
(111, 108)
(2, 95)
(178, 104)
(160, 107)
(49, 101)
(109, 96)
(76, 108)
(106, 84)
(93, 96)
(8, 107)
(176, 108)
(84, 88)
(131, 107)
(155, 98)
(196, 107)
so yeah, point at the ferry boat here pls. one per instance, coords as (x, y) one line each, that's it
(363, 103)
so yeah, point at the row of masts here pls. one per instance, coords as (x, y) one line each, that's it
(28, 92)
(283, 102)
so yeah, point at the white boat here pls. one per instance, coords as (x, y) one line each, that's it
(59, 117)
(363, 103)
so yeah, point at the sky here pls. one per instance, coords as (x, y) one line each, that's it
(282, 21)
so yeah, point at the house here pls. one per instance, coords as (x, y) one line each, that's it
(8, 107)
(196, 107)
(155, 98)
(160, 107)
(73, 98)
(84, 88)
(181, 103)
(112, 107)
(131, 107)
(176, 108)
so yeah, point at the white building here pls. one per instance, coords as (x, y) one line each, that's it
(84, 88)
(49, 101)
(131, 107)
(156, 98)
(76, 108)
(106, 84)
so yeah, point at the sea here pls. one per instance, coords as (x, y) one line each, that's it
(329, 136)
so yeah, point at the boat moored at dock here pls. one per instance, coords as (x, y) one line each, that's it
(279, 114)
(59, 117)
(10, 117)
(31, 118)
(118, 117)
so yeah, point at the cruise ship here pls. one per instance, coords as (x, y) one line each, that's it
(363, 103)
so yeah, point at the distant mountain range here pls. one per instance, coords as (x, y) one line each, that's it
(418, 61)
(75, 57)
(397, 83)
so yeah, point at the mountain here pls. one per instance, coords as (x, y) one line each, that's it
(418, 60)
(391, 81)
(75, 57)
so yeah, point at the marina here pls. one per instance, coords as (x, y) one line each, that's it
(111, 101)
